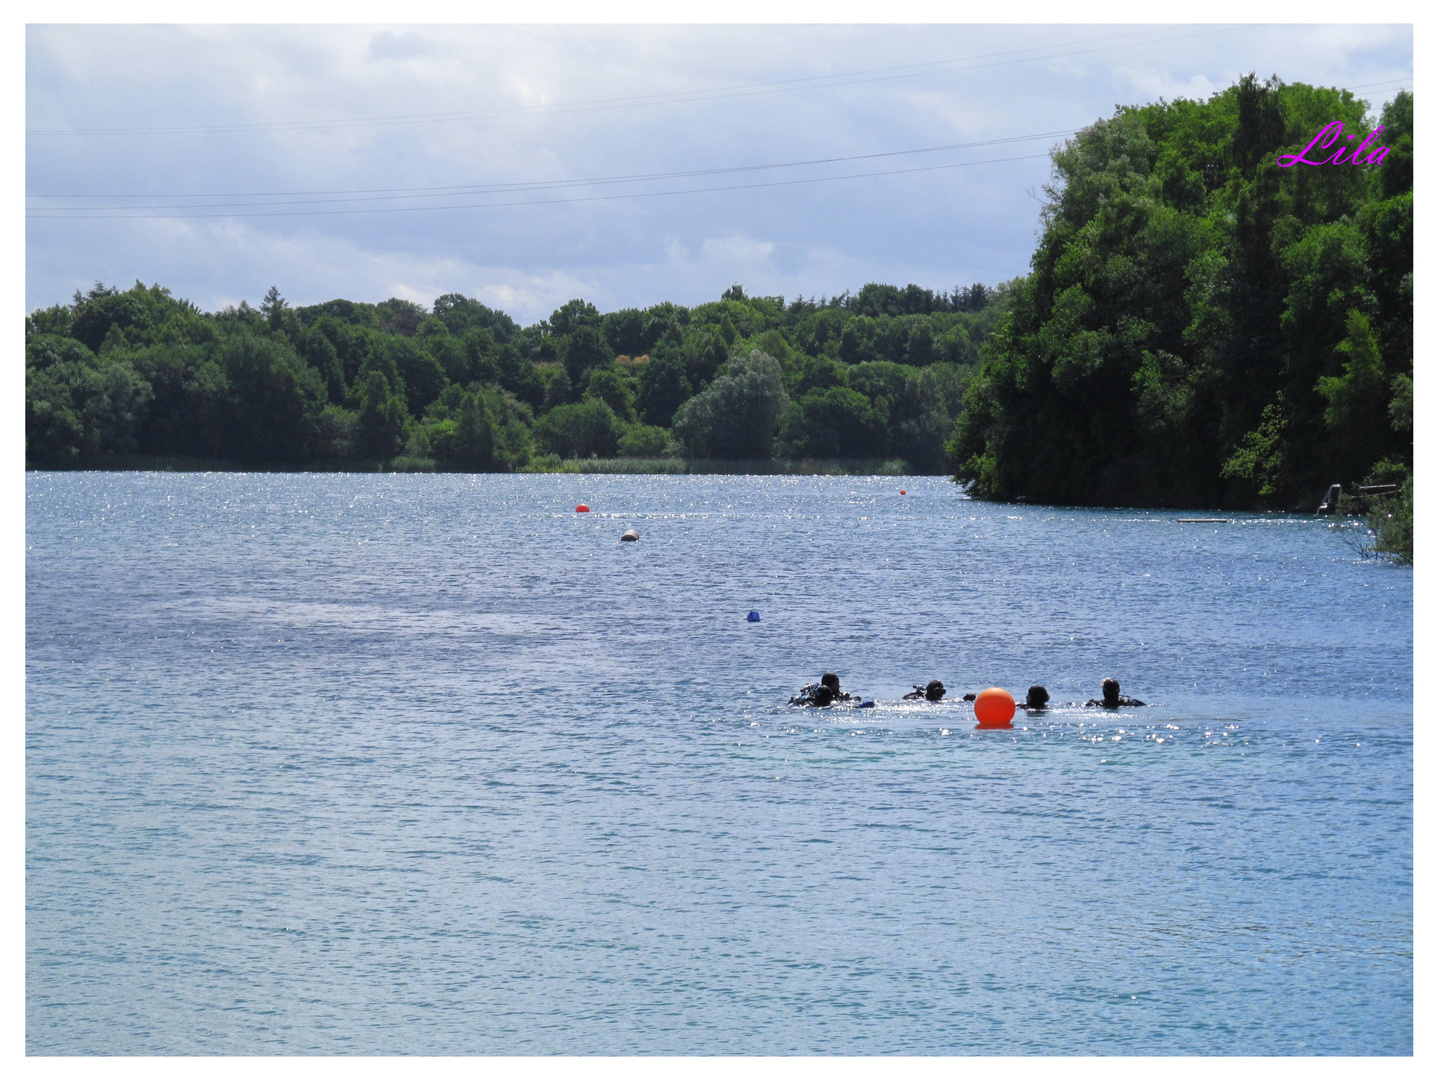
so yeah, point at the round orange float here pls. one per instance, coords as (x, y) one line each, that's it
(582, 509)
(994, 708)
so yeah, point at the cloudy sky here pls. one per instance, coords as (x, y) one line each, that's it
(626, 165)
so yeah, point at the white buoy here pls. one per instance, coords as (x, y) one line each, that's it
(630, 534)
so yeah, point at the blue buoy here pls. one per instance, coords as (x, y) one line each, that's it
(754, 616)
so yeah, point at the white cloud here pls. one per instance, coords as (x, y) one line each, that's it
(388, 45)
(737, 249)
(530, 297)
(938, 228)
(1155, 83)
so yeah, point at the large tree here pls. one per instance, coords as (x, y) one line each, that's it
(736, 416)
(1202, 326)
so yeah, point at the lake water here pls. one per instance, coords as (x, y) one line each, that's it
(433, 764)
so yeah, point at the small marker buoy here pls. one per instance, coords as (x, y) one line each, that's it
(902, 491)
(630, 534)
(754, 616)
(582, 509)
(994, 708)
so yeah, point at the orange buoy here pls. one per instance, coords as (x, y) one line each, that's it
(902, 491)
(994, 708)
(582, 509)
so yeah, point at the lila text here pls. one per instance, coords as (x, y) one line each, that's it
(1326, 138)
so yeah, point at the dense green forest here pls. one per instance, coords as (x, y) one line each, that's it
(1200, 327)
(874, 375)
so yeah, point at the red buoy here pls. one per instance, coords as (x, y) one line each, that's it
(582, 509)
(994, 708)
(902, 491)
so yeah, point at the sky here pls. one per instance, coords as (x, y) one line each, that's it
(628, 165)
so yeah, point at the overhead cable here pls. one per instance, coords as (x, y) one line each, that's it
(390, 194)
(678, 97)
(124, 215)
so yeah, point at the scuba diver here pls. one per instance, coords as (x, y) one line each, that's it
(1110, 696)
(823, 693)
(1036, 699)
(934, 690)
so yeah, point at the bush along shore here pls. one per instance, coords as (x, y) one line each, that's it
(539, 463)
(1200, 327)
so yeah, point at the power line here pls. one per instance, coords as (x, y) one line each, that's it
(678, 97)
(388, 194)
(533, 202)
(1385, 82)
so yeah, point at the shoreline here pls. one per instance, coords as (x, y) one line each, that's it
(546, 464)
(1368, 546)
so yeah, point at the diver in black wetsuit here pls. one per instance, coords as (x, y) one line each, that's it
(1110, 696)
(817, 694)
(823, 693)
(934, 690)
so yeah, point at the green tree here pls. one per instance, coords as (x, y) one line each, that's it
(1402, 403)
(1393, 521)
(383, 420)
(664, 387)
(320, 353)
(608, 385)
(273, 307)
(586, 429)
(76, 411)
(1357, 413)
(583, 349)
(572, 315)
(420, 373)
(466, 439)
(273, 400)
(400, 316)
(624, 332)
(736, 416)
(557, 389)
(644, 441)
(338, 434)
(519, 376)
(474, 438)
(458, 313)
(838, 422)
(104, 307)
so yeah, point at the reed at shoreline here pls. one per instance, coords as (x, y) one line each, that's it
(675, 466)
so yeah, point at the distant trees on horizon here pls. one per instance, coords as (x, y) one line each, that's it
(878, 373)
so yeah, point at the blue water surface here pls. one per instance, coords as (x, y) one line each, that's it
(435, 765)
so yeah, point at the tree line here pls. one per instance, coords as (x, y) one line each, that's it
(876, 374)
